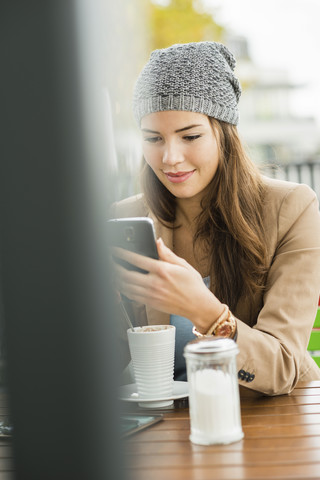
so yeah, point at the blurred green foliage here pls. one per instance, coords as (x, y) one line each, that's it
(181, 21)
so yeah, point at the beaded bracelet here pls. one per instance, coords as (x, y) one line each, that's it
(224, 326)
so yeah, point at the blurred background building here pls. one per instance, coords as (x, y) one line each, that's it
(278, 121)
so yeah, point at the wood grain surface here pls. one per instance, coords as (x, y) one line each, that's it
(281, 441)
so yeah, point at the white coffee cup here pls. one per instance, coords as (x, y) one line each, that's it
(152, 354)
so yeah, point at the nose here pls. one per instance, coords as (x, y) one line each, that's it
(172, 154)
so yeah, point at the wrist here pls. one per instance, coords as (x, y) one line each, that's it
(207, 314)
(224, 326)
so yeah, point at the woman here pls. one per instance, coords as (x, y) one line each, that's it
(230, 240)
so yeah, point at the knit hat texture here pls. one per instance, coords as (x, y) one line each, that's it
(196, 77)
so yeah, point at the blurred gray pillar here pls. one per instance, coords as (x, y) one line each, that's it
(62, 364)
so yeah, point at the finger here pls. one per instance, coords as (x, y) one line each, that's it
(167, 255)
(134, 285)
(127, 280)
(145, 295)
(141, 261)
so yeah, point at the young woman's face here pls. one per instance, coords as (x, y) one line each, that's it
(182, 150)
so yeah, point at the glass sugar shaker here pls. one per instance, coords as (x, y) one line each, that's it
(213, 391)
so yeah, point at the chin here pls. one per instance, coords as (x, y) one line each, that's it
(182, 195)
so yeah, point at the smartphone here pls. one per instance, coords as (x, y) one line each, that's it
(136, 234)
(135, 423)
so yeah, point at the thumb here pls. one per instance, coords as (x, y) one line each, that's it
(167, 255)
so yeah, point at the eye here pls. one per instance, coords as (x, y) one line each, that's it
(191, 138)
(152, 139)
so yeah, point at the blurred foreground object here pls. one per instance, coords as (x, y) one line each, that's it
(54, 271)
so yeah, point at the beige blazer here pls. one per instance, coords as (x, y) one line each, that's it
(274, 329)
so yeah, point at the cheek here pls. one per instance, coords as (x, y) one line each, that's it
(210, 160)
(214, 166)
(151, 156)
(207, 153)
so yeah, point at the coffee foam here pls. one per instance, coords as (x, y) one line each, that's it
(152, 328)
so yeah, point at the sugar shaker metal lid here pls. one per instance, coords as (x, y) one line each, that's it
(216, 346)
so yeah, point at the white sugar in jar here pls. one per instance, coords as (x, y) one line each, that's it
(213, 391)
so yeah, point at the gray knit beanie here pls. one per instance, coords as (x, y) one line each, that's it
(196, 77)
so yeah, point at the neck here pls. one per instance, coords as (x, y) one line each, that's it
(187, 211)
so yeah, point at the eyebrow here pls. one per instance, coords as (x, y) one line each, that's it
(176, 131)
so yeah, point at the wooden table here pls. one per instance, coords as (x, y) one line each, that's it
(281, 441)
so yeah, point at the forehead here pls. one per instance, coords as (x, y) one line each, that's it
(173, 119)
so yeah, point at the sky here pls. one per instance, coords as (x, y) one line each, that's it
(282, 34)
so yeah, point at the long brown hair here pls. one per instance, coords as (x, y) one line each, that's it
(230, 224)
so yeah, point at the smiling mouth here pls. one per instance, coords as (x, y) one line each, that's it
(178, 177)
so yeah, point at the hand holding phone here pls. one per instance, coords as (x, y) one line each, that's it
(173, 281)
(135, 234)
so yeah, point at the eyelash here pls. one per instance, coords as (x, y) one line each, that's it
(188, 138)
(152, 139)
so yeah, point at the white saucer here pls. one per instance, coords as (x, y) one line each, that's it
(129, 393)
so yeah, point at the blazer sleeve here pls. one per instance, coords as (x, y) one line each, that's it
(273, 352)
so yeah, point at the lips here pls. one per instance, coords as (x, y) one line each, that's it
(178, 177)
